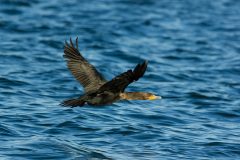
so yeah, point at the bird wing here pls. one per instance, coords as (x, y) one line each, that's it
(120, 82)
(81, 69)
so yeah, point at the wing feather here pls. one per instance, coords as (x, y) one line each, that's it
(120, 82)
(82, 70)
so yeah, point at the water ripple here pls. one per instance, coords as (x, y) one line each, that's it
(193, 55)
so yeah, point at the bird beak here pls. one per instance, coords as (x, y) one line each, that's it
(153, 97)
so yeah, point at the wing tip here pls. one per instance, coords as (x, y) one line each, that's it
(71, 50)
(140, 69)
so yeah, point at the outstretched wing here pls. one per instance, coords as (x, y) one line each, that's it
(81, 69)
(120, 82)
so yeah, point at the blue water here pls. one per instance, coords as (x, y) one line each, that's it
(194, 64)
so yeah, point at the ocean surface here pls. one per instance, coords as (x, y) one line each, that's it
(193, 49)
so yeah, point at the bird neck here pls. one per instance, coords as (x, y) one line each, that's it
(136, 96)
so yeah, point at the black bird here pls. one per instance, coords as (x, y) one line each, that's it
(99, 91)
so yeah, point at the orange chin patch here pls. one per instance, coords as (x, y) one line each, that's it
(153, 97)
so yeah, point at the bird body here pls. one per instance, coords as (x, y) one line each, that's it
(99, 91)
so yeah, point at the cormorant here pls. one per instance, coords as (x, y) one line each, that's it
(99, 91)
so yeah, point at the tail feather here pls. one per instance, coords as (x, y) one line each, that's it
(73, 103)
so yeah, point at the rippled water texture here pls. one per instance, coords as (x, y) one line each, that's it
(194, 64)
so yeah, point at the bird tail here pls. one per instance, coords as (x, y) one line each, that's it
(73, 103)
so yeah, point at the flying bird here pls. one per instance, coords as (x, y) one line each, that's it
(97, 90)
